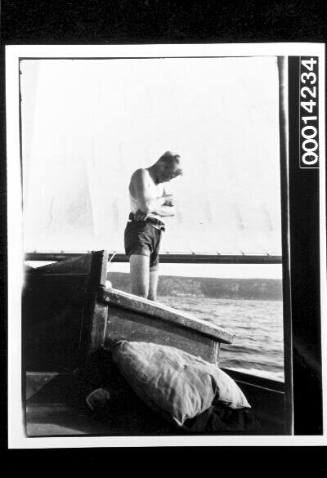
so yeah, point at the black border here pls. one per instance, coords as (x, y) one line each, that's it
(162, 21)
(305, 276)
(121, 22)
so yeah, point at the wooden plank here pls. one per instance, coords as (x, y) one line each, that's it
(95, 313)
(79, 264)
(59, 409)
(256, 380)
(160, 311)
(61, 319)
(267, 398)
(98, 327)
(128, 325)
(35, 381)
(52, 308)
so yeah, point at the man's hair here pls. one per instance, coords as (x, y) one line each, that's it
(170, 158)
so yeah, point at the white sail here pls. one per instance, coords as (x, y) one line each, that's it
(88, 124)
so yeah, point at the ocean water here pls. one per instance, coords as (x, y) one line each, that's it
(257, 325)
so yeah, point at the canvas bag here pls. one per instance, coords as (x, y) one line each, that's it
(175, 383)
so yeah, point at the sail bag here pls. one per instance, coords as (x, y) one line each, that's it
(175, 383)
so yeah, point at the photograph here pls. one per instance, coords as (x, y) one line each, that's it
(153, 266)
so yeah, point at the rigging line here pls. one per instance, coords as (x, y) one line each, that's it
(108, 282)
(112, 256)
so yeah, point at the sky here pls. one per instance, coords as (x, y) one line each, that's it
(88, 124)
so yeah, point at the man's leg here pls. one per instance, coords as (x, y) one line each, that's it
(154, 266)
(154, 277)
(139, 273)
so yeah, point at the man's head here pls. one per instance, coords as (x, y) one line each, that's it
(168, 167)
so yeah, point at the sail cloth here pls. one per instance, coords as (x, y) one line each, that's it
(88, 124)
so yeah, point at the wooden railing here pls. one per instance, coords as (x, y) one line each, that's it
(170, 258)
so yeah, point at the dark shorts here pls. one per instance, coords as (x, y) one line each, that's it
(142, 238)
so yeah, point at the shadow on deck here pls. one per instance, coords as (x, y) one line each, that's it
(59, 408)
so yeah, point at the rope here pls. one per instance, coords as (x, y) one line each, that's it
(113, 255)
(108, 282)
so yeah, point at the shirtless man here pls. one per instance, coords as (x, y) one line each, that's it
(149, 205)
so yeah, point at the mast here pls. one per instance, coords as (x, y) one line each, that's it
(284, 175)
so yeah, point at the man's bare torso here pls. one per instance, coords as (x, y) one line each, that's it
(147, 191)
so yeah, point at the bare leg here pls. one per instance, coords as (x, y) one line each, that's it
(154, 277)
(139, 273)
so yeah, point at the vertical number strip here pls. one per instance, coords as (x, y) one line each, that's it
(309, 113)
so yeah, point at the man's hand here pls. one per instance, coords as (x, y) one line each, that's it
(169, 200)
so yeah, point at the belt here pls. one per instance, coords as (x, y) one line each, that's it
(151, 220)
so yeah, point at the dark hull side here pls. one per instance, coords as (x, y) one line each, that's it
(68, 310)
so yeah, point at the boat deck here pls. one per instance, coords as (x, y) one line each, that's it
(56, 407)
(69, 321)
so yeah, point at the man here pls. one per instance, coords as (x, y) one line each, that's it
(149, 206)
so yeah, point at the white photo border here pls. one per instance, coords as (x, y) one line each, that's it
(16, 434)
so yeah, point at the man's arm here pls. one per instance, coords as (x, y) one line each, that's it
(168, 198)
(162, 207)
